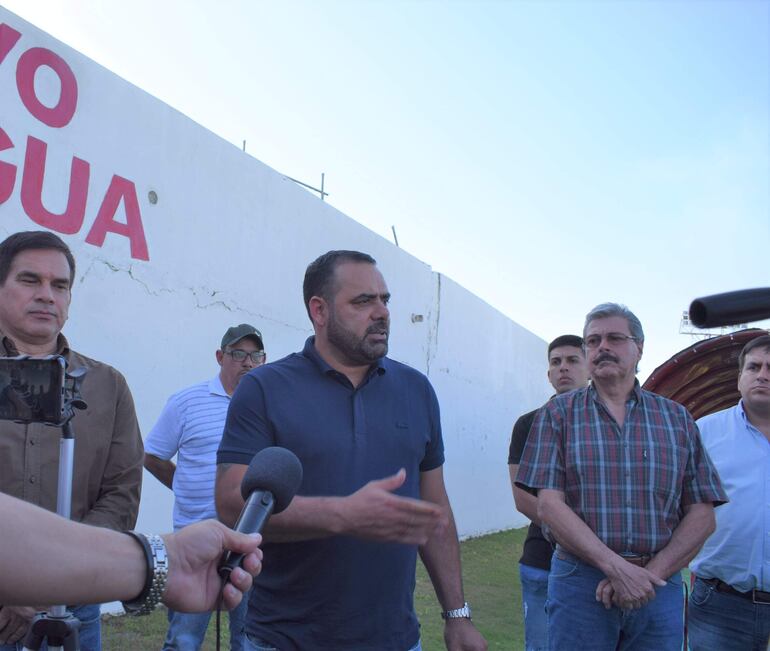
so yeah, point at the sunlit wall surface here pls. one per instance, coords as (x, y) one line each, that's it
(179, 234)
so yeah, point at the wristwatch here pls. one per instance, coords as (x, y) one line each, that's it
(458, 613)
(156, 561)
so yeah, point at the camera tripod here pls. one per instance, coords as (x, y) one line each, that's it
(58, 626)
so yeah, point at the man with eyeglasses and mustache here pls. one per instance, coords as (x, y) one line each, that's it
(340, 560)
(190, 427)
(626, 490)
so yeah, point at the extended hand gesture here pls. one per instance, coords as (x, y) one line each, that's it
(374, 512)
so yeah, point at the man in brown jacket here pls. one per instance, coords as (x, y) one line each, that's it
(37, 270)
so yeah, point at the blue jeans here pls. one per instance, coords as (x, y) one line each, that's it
(253, 644)
(534, 591)
(89, 634)
(187, 630)
(718, 621)
(577, 621)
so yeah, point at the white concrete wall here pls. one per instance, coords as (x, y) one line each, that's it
(228, 241)
(487, 371)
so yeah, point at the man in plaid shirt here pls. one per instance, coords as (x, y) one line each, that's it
(627, 492)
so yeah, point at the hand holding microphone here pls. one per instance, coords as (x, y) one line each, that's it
(269, 485)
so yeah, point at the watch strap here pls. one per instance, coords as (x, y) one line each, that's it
(157, 573)
(458, 613)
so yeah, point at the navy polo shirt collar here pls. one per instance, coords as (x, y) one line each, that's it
(309, 351)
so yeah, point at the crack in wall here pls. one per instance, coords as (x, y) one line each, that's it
(433, 326)
(130, 272)
(198, 294)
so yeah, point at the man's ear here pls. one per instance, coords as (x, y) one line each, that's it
(319, 311)
(220, 356)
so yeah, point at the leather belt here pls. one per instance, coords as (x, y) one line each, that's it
(640, 560)
(757, 596)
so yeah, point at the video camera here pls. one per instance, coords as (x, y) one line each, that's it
(37, 389)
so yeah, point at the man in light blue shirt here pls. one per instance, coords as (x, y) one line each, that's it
(730, 601)
(190, 427)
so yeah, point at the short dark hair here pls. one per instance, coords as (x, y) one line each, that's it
(320, 273)
(762, 341)
(14, 244)
(565, 340)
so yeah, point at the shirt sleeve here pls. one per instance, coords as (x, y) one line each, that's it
(165, 437)
(434, 450)
(701, 480)
(542, 462)
(519, 436)
(247, 427)
(117, 504)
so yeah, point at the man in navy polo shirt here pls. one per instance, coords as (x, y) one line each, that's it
(339, 566)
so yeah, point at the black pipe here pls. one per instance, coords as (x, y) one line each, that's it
(731, 308)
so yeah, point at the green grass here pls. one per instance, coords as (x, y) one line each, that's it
(490, 574)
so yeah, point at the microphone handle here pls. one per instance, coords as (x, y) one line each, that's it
(253, 518)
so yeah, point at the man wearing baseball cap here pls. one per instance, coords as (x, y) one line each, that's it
(190, 427)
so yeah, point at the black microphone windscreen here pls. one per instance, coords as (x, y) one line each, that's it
(276, 470)
(731, 308)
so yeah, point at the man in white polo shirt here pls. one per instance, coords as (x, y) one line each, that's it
(190, 427)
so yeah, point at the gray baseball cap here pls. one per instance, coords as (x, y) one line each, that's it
(236, 333)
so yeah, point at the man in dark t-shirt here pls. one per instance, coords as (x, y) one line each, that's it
(567, 371)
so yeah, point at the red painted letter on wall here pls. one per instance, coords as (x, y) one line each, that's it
(8, 38)
(57, 116)
(7, 171)
(68, 222)
(125, 190)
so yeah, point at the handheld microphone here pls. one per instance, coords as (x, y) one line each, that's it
(269, 485)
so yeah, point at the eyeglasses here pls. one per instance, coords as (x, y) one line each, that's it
(613, 339)
(258, 356)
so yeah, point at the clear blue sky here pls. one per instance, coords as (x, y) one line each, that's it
(548, 156)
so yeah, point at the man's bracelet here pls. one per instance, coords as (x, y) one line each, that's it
(157, 572)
